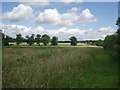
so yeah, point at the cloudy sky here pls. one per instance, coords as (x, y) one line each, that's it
(85, 20)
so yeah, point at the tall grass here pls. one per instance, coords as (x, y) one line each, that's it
(51, 67)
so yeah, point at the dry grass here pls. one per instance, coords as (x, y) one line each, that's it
(29, 67)
(48, 67)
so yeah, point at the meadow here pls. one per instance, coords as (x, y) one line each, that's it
(60, 67)
(49, 44)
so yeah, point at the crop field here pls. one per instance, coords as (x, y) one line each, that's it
(60, 67)
(59, 44)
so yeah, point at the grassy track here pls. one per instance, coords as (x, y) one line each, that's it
(58, 67)
(102, 71)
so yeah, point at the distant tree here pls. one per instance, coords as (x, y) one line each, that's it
(110, 41)
(27, 39)
(45, 39)
(38, 39)
(54, 40)
(19, 39)
(3, 38)
(118, 21)
(73, 40)
(99, 42)
(6, 39)
(118, 31)
(30, 40)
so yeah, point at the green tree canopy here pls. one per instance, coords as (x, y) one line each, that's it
(45, 39)
(99, 42)
(54, 40)
(6, 39)
(73, 40)
(118, 21)
(38, 39)
(30, 40)
(19, 39)
(110, 41)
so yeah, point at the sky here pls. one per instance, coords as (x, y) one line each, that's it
(84, 20)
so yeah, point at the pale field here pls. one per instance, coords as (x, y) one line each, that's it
(59, 45)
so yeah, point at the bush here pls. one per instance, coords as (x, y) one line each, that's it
(110, 41)
(99, 43)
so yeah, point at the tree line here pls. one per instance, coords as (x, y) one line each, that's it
(45, 39)
(112, 42)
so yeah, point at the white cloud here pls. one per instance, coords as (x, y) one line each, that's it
(63, 33)
(49, 16)
(104, 29)
(70, 1)
(86, 16)
(19, 13)
(37, 4)
(52, 16)
(107, 30)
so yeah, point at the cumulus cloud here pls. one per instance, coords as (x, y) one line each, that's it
(52, 16)
(63, 33)
(86, 16)
(19, 13)
(49, 16)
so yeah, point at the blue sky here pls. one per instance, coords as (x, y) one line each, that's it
(100, 16)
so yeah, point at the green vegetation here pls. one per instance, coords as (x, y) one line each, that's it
(13, 44)
(54, 40)
(45, 39)
(38, 39)
(19, 39)
(80, 65)
(73, 41)
(30, 40)
(112, 42)
(6, 39)
(68, 67)
(99, 43)
(102, 71)
(0, 59)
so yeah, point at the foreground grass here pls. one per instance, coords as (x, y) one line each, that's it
(58, 67)
(102, 71)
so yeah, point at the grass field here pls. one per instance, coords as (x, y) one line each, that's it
(59, 44)
(59, 67)
(25, 45)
